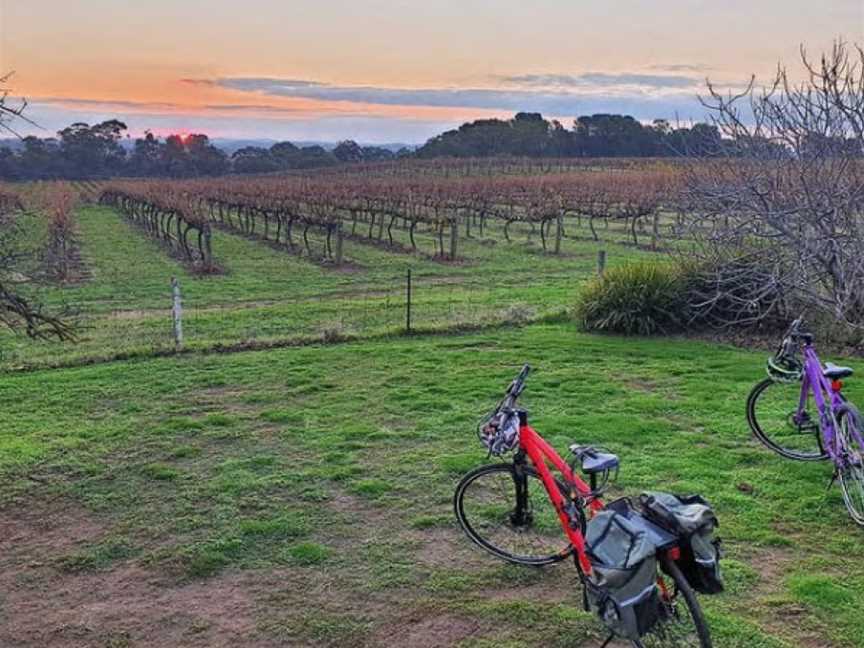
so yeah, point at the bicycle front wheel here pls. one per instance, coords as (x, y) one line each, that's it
(773, 415)
(489, 511)
(684, 625)
(851, 467)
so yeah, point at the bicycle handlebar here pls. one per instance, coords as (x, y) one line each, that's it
(517, 385)
(796, 325)
(792, 335)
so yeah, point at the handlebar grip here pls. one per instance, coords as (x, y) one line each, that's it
(518, 383)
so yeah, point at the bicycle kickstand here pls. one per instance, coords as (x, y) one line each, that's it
(608, 640)
(824, 501)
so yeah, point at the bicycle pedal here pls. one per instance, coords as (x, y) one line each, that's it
(574, 515)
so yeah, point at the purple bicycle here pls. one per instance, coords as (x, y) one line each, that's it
(800, 412)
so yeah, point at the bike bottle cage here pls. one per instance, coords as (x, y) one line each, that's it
(594, 461)
(834, 372)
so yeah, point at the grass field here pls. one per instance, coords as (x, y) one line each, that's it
(302, 496)
(266, 294)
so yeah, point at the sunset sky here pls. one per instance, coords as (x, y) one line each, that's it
(388, 70)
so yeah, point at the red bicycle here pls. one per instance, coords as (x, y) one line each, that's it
(516, 511)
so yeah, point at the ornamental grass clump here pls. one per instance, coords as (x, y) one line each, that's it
(643, 298)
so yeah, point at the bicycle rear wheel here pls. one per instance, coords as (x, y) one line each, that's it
(851, 455)
(685, 625)
(772, 412)
(487, 508)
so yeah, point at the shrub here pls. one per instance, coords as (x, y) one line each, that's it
(651, 297)
(641, 298)
(741, 291)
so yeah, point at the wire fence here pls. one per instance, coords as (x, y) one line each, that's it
(402, 305)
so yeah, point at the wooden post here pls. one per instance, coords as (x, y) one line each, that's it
(601, 262)
(208, 246)
(177, 313)
(559, 231)
(408, 304)
(339, 243)
(655, 230)
(454, 237)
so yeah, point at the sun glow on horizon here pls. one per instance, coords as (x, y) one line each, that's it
(442, 65)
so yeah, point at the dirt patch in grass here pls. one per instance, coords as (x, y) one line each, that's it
(35, 533)
(129, 606)
(426, 631)
(448, 547)
(784, 618)
(43, 605)
(771, 565)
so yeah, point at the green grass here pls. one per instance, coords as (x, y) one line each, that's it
(309, 553)
(267, 294)
(310, 488)
(325, 473)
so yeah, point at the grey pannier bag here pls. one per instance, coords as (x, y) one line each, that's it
(622, 588)
(693, 520)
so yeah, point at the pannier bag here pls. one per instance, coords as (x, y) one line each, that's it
(622, 588)
(693, 520)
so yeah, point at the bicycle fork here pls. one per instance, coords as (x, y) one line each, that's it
(521, 515)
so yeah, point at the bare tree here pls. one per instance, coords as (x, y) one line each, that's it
(18, 311)
(780, 195)
(8, 113)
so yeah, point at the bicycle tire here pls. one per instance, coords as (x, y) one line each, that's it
(851, 474)
(656, 639)
(758, 392)
(473, 528)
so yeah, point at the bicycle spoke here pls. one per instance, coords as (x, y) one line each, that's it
(851, 470)
(489, 505)
(774, 415)
(675, 632)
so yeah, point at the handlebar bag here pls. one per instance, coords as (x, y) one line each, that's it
(693, 520)
(500, 433)
(622, 588)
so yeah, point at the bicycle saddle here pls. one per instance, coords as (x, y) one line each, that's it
(834, 372)
(594, 461)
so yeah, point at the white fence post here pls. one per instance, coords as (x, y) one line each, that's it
(177, 313)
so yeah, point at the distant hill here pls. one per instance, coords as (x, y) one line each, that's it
(230, 145)
(11, 143)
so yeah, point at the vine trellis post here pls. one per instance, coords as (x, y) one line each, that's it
(176, 313)
(454, 238)
(338, 254)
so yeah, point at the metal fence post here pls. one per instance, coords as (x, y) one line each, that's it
(177, 313)
(408, 304)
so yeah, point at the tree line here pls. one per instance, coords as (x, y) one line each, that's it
(600, 135)
(82, 152)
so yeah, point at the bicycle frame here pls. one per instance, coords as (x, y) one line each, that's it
(816, 383)
(541, 453)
